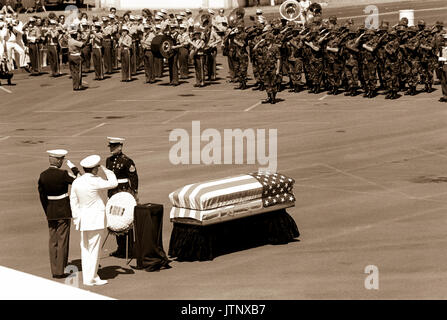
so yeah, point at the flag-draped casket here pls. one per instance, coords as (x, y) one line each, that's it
(207, 214)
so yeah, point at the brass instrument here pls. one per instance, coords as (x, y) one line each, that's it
(290, 10)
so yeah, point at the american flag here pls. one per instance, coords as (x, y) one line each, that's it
(276, 188)
(272, 188)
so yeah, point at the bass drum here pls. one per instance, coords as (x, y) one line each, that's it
(161, 46)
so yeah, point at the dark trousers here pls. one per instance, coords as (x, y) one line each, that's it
(64, 54)
(53, 59)
(58, 245)
(158, 67)
(98, 63)
(87, 54)
(230, 67)
(108, 56)
(34, 54)
(173, 69)
(126, 68)
(211, 64)
(149, 66)
(75, 63)
(133, 58)
(183, 54)
(199, 65)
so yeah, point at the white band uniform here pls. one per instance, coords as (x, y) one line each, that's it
(62, 196)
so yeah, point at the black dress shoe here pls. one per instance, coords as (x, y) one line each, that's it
(443, 99)
(60, 276)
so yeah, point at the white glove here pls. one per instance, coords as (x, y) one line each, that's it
(76, 222)
(70, 164)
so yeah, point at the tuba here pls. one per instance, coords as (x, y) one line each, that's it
(290, 10)
(236, 16)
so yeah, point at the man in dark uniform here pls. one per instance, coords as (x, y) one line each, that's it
(126, 173)
(53, 191)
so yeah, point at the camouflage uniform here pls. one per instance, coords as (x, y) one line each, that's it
(240, 58)
(270, 57)
(351, 67)
(392, 67)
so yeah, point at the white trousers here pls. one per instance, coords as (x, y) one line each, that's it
(90, 249)
(18, 50)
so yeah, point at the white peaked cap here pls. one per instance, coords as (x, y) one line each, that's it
(58, 153)
(90, 161)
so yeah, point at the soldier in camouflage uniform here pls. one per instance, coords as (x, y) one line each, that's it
(411, 61)
(295, 60)
(369, 63)
(428, 59)
(271, 60)
(334, 61)
(240, 56)
(351, 58)
(392, 65)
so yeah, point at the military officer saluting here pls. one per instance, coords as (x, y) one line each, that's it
(126, 173)
(53, 191)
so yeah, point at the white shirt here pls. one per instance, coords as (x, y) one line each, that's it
(87, 207)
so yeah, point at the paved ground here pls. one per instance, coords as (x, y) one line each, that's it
(370, 184)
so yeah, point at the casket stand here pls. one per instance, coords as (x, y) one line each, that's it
(191, 242)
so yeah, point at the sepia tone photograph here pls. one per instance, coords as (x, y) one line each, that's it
(223, 150)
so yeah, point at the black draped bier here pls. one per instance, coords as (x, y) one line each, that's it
(193, 242)
(148, 248)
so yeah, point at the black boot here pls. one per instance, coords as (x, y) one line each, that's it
(273, 98)
(389, 94)
(268, 100)
(371, 94)
(413, 91)
(394, 95)
(366, 94)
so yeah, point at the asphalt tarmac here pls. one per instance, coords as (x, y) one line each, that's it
(370, 182)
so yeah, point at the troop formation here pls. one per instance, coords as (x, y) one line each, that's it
(315, 54)
(334, 57)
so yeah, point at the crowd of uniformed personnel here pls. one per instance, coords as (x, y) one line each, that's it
(318, 56)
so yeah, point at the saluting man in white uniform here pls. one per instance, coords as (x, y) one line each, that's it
(89, 215)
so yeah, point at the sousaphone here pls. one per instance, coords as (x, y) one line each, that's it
(236, 16)
(290, 10)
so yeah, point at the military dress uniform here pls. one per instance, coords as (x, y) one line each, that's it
(33, 37)
(52, 41)
(75, 62)
(148, 55)
(53, 192)
(98, 63)
(126, 173)
(125, 44)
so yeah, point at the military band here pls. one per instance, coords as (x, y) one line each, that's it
(316, 54)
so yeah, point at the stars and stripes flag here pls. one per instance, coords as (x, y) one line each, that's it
(272, 188)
